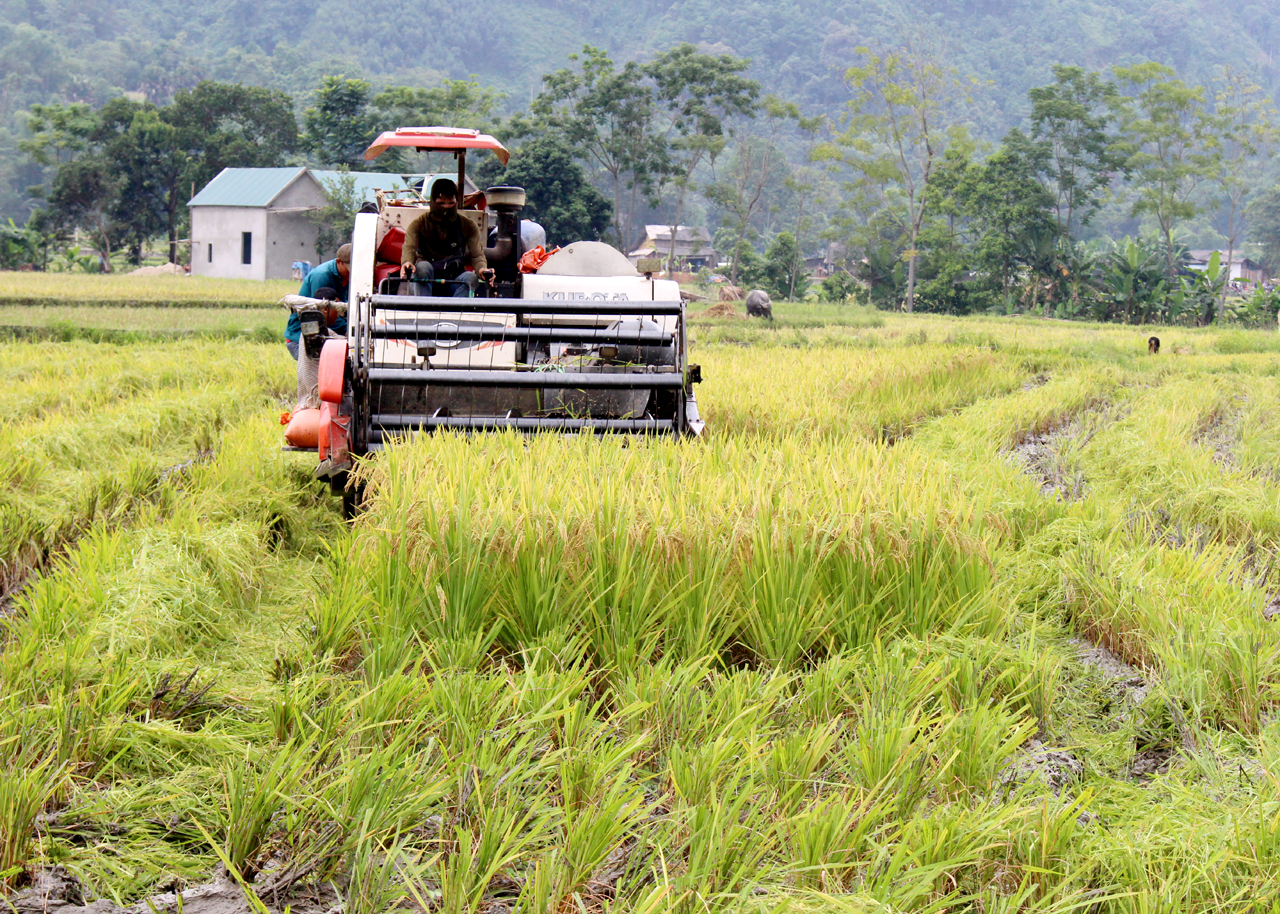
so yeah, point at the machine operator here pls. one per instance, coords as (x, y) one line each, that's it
(439, 244)
(332, 274)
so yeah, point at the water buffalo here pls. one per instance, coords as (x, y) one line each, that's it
(759, 304)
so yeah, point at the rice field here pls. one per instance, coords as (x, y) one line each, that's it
(943, 615)
(57, 290)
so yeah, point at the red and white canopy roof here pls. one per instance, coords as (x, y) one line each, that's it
(427, 138)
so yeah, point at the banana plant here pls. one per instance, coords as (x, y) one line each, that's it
(1135, 280)
(1198, 296)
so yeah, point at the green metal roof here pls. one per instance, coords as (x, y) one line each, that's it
(260, 186)
(246, 186)
(366, 182)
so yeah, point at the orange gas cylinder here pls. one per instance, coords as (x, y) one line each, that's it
(303, 429)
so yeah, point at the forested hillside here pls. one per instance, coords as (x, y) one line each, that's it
(92, 50)
(61, 49)
(969, 154)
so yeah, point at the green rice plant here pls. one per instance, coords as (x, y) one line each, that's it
(80, 321)
(378, 872)
(795, 762)
(890, 752)
(702, 618)
(477, 854)
(601, 806)
(338, 611)
(975, 745)
(535, 592)
(828, 841)
(696, 771)
(724, 841)
(787, 618)
(27, 783)
(253, 795)
(626, 603)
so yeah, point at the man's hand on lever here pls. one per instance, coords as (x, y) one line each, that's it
(486, 275)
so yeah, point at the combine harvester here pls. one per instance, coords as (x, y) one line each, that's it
(584, 344)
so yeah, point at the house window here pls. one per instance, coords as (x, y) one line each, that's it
(210, 252)
(246, 247)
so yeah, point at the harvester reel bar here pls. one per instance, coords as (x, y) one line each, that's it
(522, 305)
(470, 377)
(447, 331)
(389, 427)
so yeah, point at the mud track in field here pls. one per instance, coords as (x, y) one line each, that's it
(1043, 458)
(1221, 436)
(55, 891)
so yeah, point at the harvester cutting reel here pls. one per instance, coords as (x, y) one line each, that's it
(423, 363)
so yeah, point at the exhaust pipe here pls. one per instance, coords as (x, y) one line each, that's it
(503, 257)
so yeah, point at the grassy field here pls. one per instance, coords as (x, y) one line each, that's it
(59, 290)
(944, 615)
(81, 321)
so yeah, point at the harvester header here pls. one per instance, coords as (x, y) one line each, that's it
(574, 339)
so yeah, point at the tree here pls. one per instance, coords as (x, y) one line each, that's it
(697, 93)
(84, 194)
(158, 155)
(1244, 122)
(1135, 281)
(1007, 206)
(895, 131)
(150, 158)
(1263, 212)
(58, 132)
(558, 194)
(230, 125)
(784, 274)
(1170, 148)
(340, 126)
(336, 220)
(757, 171)
(607, 115)
(454, 103)
(1071, 118)
(19, 245)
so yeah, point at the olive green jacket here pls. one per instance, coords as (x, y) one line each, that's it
(428, 239)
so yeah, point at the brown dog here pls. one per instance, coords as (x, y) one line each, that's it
(1153, 345)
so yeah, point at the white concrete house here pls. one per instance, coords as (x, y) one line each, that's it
(1241, 268)
(253, 223)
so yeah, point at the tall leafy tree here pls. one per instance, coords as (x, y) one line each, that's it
(1263, 212)
(558, 194)
(453, 103)
(1169, 144)
(898, 125)
(156, 156)
(336, 220)
(755, 173)
(1072, 118)
(784, 274)
(1244, 120)
(231, 125)
(84, 194)
(151, 159)
(340, 126)
(1011, 213)
(59, 132)
(608, 115)
(697, 94)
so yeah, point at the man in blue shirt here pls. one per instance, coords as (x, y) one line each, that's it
(333, 274)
